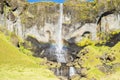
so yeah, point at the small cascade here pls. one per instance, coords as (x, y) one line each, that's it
(72, 71)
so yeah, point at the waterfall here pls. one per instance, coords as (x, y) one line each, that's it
(72, 71)
(59, 32)
(60, 53)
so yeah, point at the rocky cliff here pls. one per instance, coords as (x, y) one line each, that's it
(40, 20)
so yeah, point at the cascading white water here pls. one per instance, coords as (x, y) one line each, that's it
(60, 53)
(59, 33)
(72, 71)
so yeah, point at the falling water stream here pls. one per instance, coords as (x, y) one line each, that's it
(60, 53)
(59, 33)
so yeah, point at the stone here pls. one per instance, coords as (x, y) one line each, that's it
(75, 77)
(83, 72)
(1, 6)
(11, 17)
(15, 40)
(41, 20)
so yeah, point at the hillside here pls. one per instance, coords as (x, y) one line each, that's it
(15, 65)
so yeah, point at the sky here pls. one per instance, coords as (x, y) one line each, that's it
(90, 0)
(57, 1)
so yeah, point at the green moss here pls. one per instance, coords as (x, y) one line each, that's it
(115, 32)
(14, 65)
(94, 73)
(85, 42)
(91, 57)
(115, 50)
(87, 12)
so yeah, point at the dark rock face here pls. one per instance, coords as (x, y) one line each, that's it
(15, 4)
(1, 6)
(11, 17)
(105, 14)
(73, 49)
(114, 40)
(38, 47)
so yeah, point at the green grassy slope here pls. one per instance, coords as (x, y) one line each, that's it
(101, 62)
(15, 65)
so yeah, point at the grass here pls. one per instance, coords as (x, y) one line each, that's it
(14, 65)
(90, 58)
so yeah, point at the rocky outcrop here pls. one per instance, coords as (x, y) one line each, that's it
(109, 23)
(41, 19)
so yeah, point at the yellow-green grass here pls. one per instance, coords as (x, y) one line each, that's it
(91, 60)
(15, 65)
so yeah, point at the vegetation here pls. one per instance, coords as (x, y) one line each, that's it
(14, 65)
(100, 62)
(85, 42)
(87, 12)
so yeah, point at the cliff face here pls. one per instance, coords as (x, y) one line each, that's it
(41, 19)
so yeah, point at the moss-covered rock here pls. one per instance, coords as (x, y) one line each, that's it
(99, 61)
